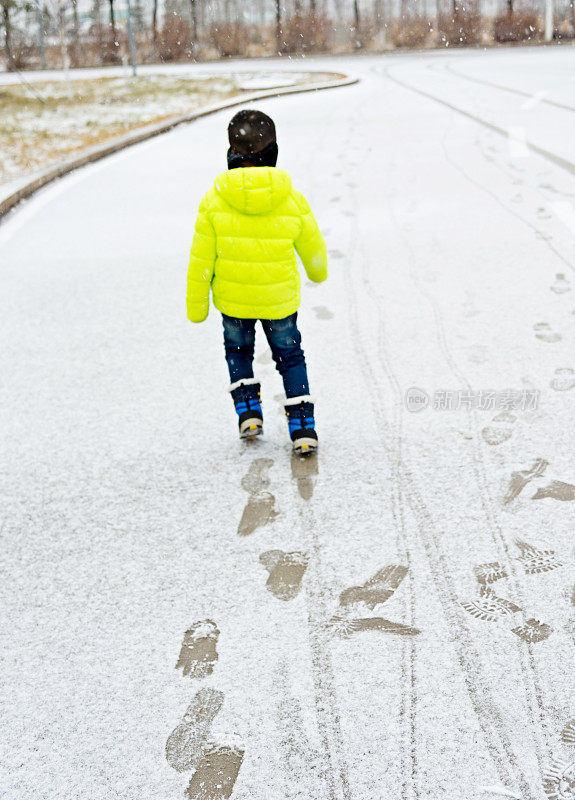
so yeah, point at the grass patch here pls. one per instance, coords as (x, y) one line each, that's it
(36, 133)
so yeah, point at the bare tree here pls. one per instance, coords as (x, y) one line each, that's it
(194, 10)
(76, 34)
(155, 21)
(8, 6)
(112, 19)
(279, 25)
(357, 24)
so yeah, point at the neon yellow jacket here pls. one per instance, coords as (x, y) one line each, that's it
(248, 225)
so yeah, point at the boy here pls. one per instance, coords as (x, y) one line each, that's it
(248, 225)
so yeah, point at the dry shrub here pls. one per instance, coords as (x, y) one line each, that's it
(305, 33)
(174, 41)
(22, 54)
(111, 52)
(230, 38)
(460, 28)
(566, 29)
(521, 26)
(410, 32)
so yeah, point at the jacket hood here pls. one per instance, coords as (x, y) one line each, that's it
(254, 190)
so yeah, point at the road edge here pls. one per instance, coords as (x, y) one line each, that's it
(117, 143)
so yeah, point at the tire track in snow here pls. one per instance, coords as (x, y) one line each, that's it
(538, 232)
(449, 69)
(540, 721)
(503, 548)
(532, 687)
(327, 707)
(491, 724)
(408, 703)
(328, 714)
(409, 655)
(559, 161)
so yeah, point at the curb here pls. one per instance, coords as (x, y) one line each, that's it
(117, 143)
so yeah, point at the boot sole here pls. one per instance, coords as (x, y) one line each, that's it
(305, 446)
(250, 429)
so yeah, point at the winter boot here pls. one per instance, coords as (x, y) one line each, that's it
(299, 413)
(246, 397)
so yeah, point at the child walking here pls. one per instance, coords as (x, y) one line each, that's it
(249, 226)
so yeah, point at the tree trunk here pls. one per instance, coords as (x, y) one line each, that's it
(194, 10)
(76, 39)
(8, 37)
(278, 25)
(356, 24)
(510, 7)
(64, 50)
(112, 18)
(155, 22)
(312, 7)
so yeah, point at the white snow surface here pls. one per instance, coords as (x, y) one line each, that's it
(121, 474)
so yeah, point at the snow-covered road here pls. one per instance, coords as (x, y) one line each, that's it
(395, 621)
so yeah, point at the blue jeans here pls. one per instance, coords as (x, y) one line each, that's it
(284, 340)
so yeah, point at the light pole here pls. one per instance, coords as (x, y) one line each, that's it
(549, 20)
(131, 39)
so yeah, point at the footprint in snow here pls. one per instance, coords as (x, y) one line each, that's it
(490, 572)
(533, 631)
(377, 589)
(564, 379)
(558, 490)
(286, 571)
(534, 560)
(260, 508)
(258, 511)
(335, 199)
(544, 333)
(216, 774)
(336, 254)
(500, 430)
(257, 477)
(198, 653)
(303, 469)
(344, 627)
(520, 479)
(489, 607)
(561, 284)
(568, 732)
(323, 312)
(559, 779)
(542, 213)
(186, 744)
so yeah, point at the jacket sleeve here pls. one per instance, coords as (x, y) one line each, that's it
(309, 244)
(201, 267)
